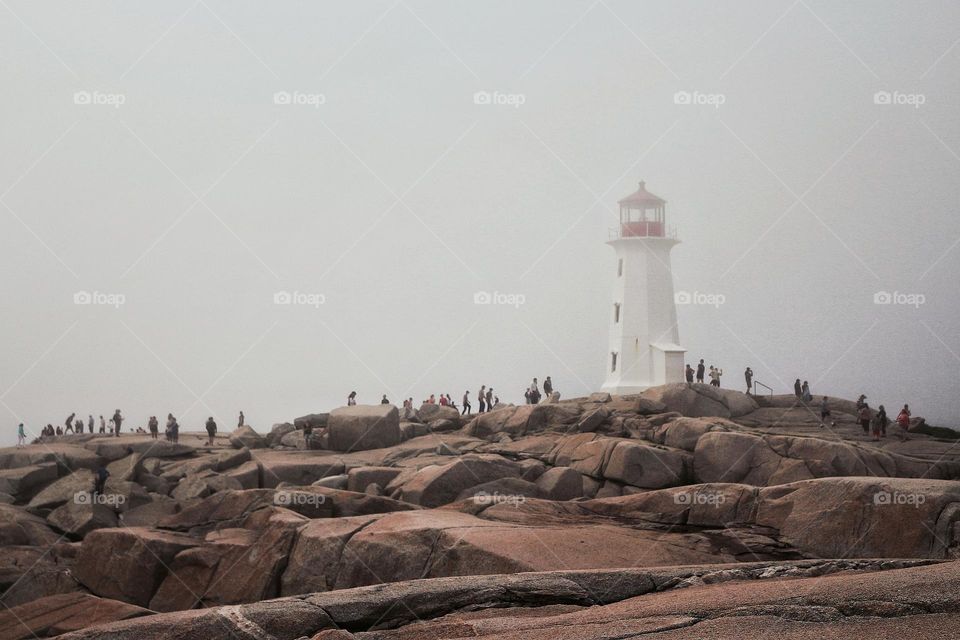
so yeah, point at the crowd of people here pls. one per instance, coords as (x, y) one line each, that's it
(487, 400)
(72, 425)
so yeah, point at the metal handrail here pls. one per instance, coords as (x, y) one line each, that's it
(615, 233)
(757, 383)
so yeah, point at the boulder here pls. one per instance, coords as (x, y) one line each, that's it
(592, 419)
(431, 412)
(315, 558)
(246, 437)
(203, 484)
(296, 467)
(17, 527)
(68, 457)
(277, 432)
(20, 481)
(148, 515)
(295, 440)
(128, 564)
(561, 483)
(244, 569)
(359, 477)
(63, 613)
(116, 448)
(80, 518)
(437, 485)
(126, 468)
(61, 491)
(599, 397)
(363, 427)
(691, 400)
(247, 474)
(313, 421)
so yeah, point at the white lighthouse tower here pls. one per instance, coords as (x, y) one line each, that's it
(644, 348)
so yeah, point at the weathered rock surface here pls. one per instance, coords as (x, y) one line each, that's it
(363, 427)
(246, 437)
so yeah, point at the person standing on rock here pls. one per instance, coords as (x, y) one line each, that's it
(748, 376)
(211, 430)
(882, 422)
(117, 421)
(99, 480)
(700, 371)
(103, 424)
(490, 404)
(903, 420)
(689, 373)
(384, 400)
(466, 404)
(715, 373)
(154, 425)
(797, 389)
(21, 436)
(241, 420)
(548, 387)
(352, 399)
(825, 412)
(90, 423)
(481, 398)
(805, 394)
(864, 416)
(68, 423)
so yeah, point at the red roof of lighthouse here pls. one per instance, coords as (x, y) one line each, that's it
(642, 196)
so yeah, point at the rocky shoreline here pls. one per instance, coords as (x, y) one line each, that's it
(686, 506)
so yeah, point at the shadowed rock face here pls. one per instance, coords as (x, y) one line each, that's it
(551, 513)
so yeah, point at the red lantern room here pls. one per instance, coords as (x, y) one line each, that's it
(642, 214)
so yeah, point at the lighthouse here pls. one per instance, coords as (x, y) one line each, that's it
(644, 347)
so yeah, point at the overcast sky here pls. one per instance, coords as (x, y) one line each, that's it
(190, 160)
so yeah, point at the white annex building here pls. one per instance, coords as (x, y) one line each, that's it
(645, 346)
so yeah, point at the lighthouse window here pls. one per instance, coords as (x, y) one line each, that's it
(613, 361)
(616, 312)
(620, 267)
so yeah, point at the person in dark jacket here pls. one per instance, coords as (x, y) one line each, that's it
(211, 430)
(701, 369)
(748, 376)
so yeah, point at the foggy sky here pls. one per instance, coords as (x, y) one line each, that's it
(394, 196)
